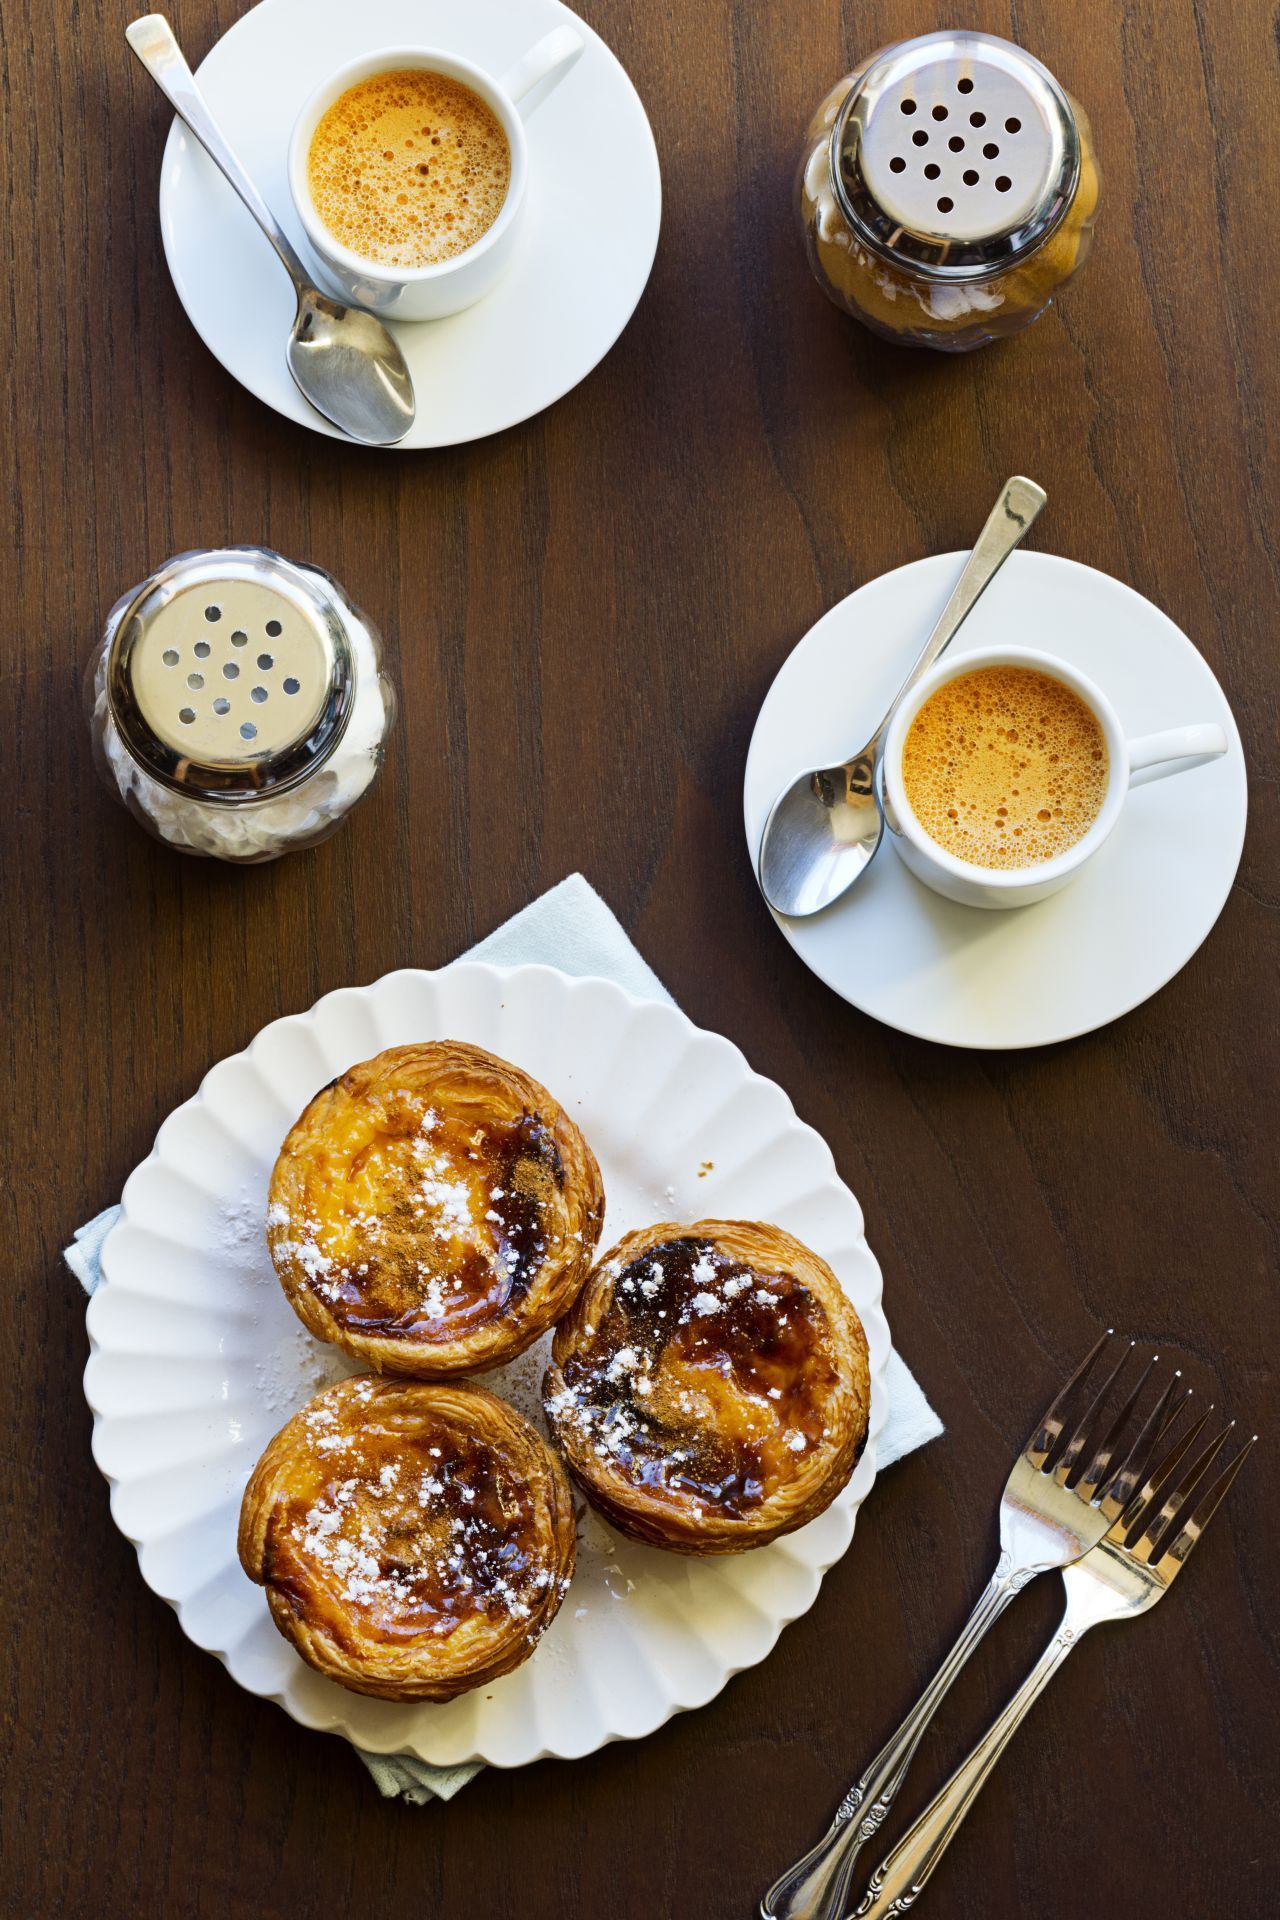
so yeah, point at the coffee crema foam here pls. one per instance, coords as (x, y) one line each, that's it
(409, 168)
(1005, 767)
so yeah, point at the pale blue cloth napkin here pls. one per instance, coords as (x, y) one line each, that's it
(571, 928)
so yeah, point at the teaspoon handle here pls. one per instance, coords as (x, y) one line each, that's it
(152, 39)
(1019, 503)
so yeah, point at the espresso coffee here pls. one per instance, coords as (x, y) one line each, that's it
(409, 168)
(1005, 767)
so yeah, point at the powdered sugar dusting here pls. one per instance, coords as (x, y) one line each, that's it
(297, 1367)
(599, 1547)
(291, 1365)
(428, 1537)
(242, 1232)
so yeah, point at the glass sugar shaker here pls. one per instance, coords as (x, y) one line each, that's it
(947, 190)
(238, 704)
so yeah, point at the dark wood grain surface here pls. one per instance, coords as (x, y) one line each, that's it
(585, 613)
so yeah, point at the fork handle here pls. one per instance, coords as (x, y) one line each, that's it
(902, 1875)
(817, 1886)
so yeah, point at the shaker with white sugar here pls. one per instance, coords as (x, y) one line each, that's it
(238, 704)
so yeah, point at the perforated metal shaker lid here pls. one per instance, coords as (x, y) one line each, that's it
(955, 155)
(230, 674)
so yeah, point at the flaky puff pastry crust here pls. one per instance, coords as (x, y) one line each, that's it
(415, 1540)
(433, 1211)
(710, 1388)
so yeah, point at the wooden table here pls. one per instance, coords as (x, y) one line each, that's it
(587, 612)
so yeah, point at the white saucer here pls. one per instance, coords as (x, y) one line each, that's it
(1029, 975)
(595, 201)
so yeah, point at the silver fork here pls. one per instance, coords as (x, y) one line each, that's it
(1117, 1579)
(1050, 1514)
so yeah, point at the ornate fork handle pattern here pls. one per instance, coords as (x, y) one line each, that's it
(817, 1886)
(900, 1902)
(850, 1805)
(1069, 1482)
(1125, 1574)
(901, 1877)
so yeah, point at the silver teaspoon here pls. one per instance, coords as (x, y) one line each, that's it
(344, 361)
(823, 830)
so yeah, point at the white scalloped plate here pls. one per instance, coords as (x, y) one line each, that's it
(197, 1358)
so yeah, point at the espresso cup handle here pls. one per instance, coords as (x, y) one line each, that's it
(550, 59)
(1156, 755)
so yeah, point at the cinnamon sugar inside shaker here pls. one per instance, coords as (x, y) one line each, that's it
(947, 190)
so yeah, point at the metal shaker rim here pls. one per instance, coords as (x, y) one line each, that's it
(954, 155)
(230, 674)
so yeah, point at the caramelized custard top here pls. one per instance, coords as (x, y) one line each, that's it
(415, 1219)
(412, 1527)
(705, 1377)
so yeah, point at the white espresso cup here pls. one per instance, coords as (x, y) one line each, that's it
(429, 293)
(1130, 762)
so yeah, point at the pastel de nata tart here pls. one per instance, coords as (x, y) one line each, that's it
(415, 1539)
(710, 1388)
(433, 1211)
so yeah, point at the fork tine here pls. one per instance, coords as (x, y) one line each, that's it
(1175, 1557)
(1157, 1476)
(1069, 1458)
(1153, 1531)
(1049, 1432)
(1096, 1472)
(1118, 1491)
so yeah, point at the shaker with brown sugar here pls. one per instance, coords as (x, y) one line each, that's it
(948, 190)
